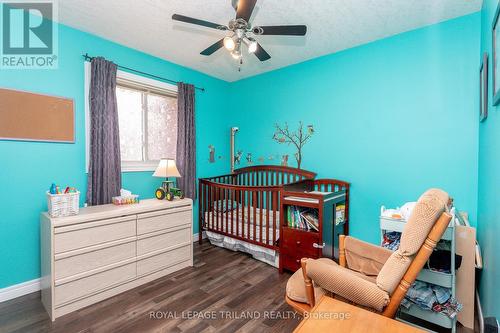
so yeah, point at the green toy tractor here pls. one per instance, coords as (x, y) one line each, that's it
(166, 191)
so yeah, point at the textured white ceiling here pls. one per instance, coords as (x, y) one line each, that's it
(333, 25)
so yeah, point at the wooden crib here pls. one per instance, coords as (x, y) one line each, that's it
(245, 205)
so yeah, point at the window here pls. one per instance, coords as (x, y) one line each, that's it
(147, 115)
(148, 125)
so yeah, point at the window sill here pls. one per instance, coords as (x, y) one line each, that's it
(139, 167)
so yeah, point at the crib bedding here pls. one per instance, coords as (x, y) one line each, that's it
(269, 256)
(241, 223)
(243, 220)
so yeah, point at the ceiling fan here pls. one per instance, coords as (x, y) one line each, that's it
(242, 31)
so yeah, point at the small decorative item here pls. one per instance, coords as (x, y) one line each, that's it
(53, 189)
(125, 198)
(297, 138)
(249, 158)
(118, 201)
(167, 168)
(483, 88)
(62, 204)
(284, 160)
(261, 159)
(211, 150)
(271, 157)
(237, 157)
(495, 48)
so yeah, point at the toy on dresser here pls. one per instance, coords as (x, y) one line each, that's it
(56, 189)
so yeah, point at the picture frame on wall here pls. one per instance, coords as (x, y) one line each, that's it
(483, 88)
(495, 50)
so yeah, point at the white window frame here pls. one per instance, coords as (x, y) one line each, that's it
(134, 79)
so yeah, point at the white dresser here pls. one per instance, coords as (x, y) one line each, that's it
(108, 249)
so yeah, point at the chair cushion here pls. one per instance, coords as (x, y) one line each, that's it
(347, 284)
(393, 271)
(364, 257)
(296, 288)
(370, 278)
(425, 214)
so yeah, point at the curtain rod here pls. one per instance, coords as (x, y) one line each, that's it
(89, 58)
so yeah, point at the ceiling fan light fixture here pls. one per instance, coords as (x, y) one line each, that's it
(229, 43)
(237, 30)
(236, 53)
(251, 44)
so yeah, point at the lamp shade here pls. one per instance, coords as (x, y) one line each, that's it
(166, 168)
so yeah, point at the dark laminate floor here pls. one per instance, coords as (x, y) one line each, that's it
(221, 284)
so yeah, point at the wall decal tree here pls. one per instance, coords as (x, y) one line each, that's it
(298, 138)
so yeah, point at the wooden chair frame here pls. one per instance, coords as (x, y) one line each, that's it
(409, 277)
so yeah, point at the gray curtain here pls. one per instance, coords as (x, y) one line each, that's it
(104, 177)
(186, 140)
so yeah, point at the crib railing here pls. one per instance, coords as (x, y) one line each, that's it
(245, 205)
(270, 175)
(248, 213)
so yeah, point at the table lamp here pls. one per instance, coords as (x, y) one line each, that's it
(167, 168)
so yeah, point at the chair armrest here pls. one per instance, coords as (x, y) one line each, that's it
(347, 284)
(364, 257)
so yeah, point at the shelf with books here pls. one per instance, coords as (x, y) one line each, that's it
(302, 218)
(313, 214)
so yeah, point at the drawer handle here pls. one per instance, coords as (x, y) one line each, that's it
(315, 245)
(298, 242)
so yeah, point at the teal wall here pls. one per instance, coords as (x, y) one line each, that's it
(28, 168)
(489, 181)
(393, 117)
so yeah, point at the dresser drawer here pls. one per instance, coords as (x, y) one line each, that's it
(291, 262)
(76, 262)
(92, 284)
(92, 233)
(163, 219)
(300, 242)
(163, 260)
(163, 240)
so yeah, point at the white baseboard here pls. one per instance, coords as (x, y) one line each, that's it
(19, 290)
(29, 287)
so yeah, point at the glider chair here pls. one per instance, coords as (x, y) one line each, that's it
(370, 276)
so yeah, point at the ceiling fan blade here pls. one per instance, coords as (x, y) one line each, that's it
(261, 53)
(212, 48)
(286, 30)
(245, 9)
(191, 20)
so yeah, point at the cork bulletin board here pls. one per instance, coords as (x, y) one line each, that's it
(32, 117)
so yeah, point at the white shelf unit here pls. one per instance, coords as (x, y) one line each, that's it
(388, 224)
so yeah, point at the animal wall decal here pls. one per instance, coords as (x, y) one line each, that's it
(237, 157)
(298, 138)
(249, 158)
